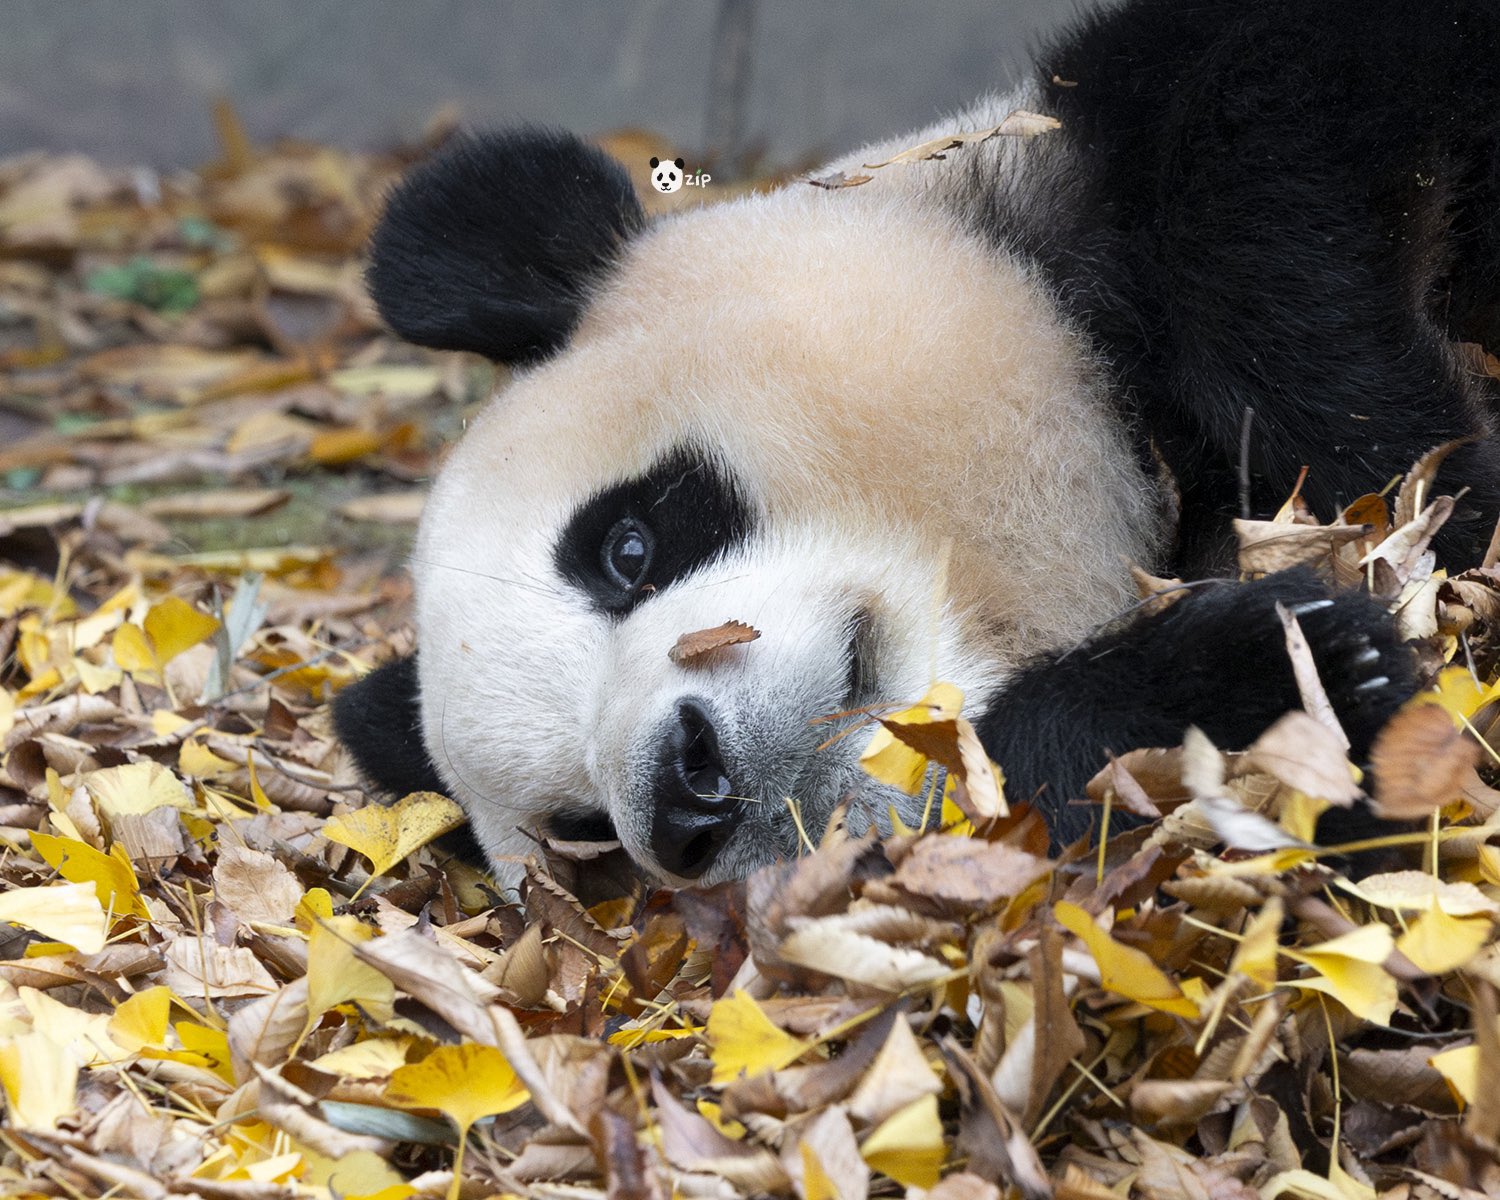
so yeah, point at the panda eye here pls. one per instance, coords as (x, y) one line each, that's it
(626, 554)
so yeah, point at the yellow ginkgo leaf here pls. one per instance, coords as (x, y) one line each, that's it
(40, 1080)
(197, 761)
(387, 834)
(368, 1058)
(141, 1021)
(815, 1182)
(86, 1034)
(1459, 695)
(132, 650)
(908, 1146)
(1438, 943)
(316, 905)
(1255, 956)
(111, 874)
(335, 976)
(211, 1045)
(464, 1083)
(744, 1039)
(1349, 968)
(1124, 969)
(69, 912)
(174, 625)
(358, 1175)
(1460, 1068)
(135, 787)
(891, 760)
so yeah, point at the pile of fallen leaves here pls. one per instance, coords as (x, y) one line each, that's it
(223, 973)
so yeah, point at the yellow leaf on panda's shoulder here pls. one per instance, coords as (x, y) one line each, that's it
(891, 758)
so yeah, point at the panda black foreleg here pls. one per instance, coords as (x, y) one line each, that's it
(1215, 659)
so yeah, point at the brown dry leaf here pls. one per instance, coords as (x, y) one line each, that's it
(827, 945)
(962, 875)
(899, 1076)
(258, 888)
(241, 502)
(995, 1142)
(392, 508)
(1309, 686)
(691, 648)
(837, 179)
(1268, 546)
(1420, 762)
(1020, 124)
(1417, 488)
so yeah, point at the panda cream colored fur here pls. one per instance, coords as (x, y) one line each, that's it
(1256, 236)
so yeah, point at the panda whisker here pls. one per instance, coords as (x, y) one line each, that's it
(544, 588)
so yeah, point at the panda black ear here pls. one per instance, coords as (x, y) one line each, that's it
(491, 245)
(655, 162)
(678, 163)
(379, 720)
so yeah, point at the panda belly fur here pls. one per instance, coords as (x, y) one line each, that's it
(1250, 247)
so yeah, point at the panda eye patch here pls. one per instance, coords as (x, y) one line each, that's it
(626, 554)
(642, 534)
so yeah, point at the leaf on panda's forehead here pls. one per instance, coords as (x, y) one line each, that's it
(691, 647)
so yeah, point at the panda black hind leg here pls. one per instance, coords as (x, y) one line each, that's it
(1215, 659)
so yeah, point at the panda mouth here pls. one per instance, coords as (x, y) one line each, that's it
(581, 827)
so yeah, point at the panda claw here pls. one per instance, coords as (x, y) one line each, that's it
(1365, 657)
(1369, 685)
(1310, 606)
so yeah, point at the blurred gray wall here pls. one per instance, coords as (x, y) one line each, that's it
(132, 81)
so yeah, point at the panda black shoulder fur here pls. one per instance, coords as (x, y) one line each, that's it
(778, 410)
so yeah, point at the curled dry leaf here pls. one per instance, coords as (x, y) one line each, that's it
(1300, 751)
(1267, 546)
(690, 648)
(1020, 123)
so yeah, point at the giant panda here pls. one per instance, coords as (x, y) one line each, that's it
(916, 429)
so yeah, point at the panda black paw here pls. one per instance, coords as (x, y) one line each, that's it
(1365, 668)
(1233, 673)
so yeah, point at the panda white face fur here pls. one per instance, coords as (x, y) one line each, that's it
(621, 509)
(914, 429)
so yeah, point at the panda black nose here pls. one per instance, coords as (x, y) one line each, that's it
(696, 805)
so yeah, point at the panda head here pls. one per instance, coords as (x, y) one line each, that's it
(842, 420)
(666, 176)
